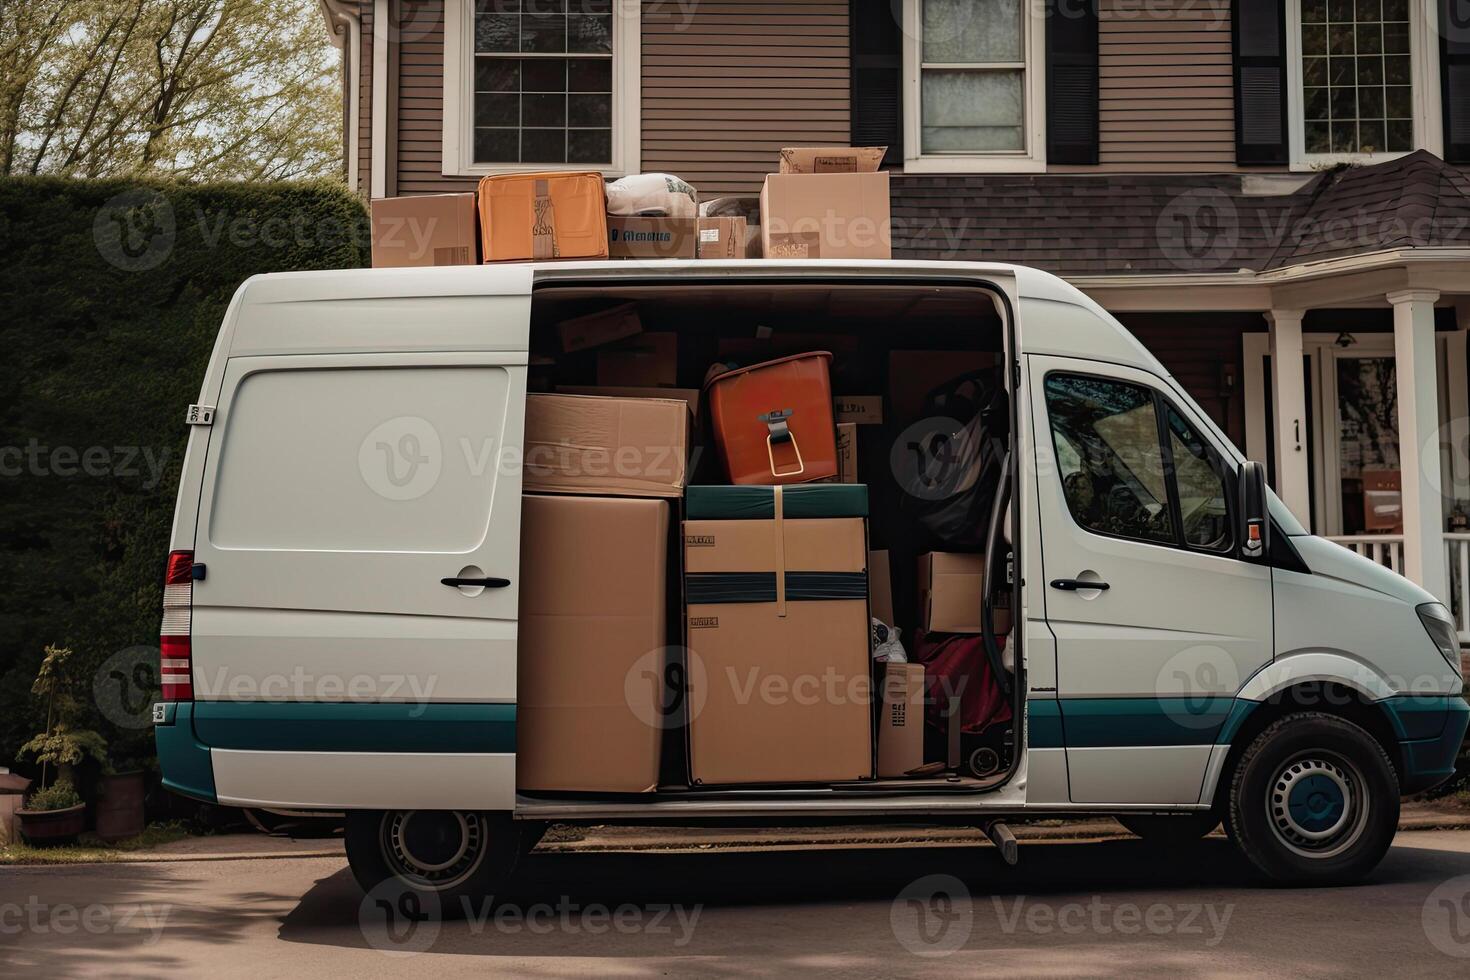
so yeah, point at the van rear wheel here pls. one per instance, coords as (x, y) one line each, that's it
(447, 860)
(1314, 801)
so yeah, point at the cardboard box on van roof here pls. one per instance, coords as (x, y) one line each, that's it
(831, 159)
(826, 216)
(634, 447)
(426, 230)
(560, 215)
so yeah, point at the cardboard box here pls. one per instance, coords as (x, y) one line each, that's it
(880, 587)
(951, 589)
(1383, 502)
(543, 216)
(634, 447)
(780, 690)
(689, 395)
(722, 238)
(901, 720)
(847, 453)
(912, 374)
(633, 237)
(592, 627)
(748, 208)
(429, 230)
(858, 409)
(831, 159)
(826, 216)
(596, 329)
(650, 360)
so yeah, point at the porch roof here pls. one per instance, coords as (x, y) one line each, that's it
(1168, 224)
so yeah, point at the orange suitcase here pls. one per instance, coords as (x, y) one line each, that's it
(773, 421)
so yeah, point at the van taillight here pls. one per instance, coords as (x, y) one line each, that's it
(176, 655)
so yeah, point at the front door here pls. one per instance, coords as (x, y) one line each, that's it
(1156, 619)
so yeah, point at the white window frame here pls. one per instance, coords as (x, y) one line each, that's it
(1424, 77)
(459, 97)
(1030, 159)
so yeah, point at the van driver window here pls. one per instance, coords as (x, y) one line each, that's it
(1108, 457)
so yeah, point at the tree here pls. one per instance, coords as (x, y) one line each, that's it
(198, 89)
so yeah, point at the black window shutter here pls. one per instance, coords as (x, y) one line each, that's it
(877, 77)
(1071, 81)
(1454, 70)
(1258, 32)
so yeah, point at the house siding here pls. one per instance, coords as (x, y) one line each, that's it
(364, 133)
(727, 83)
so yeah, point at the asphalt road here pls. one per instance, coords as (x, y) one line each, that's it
(1110, 908)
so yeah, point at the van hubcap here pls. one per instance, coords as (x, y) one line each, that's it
(1316, 805)
(433, 849)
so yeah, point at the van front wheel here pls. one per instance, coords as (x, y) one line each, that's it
(445, 859)
(1314, 801)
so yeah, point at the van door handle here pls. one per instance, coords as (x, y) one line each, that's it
(1074, 584)
(487, 582)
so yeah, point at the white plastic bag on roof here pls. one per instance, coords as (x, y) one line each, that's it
(652, 195)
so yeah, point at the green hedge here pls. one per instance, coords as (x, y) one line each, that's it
(111, 294)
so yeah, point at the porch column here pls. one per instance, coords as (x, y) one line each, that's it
(1289, 401)
(1419, 464)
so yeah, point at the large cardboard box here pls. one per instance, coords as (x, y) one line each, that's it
(901, 720)
(543, 216)
(609, 446)
(648, 360)
(589, 692)
(780, 690)
(634, 237)
(826, 216)
(723, 237)
(831, 159)
(951, 589)
(602, 327)
(428, 230)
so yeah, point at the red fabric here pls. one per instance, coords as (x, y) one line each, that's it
(956, 664)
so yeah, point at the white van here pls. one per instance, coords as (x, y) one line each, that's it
(339, 636)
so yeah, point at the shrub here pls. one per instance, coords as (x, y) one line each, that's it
(58, 796)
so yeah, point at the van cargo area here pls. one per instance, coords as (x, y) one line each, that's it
(830, 456)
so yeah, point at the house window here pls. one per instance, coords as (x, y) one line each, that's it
(1360, 82)
(973, 70)
(541, 83)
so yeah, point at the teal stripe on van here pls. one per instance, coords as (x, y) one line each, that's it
(301, 726)
(1127, 722)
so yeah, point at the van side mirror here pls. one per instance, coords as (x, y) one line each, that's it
(1255, 519)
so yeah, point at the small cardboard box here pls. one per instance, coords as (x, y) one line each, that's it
(901, 723)
(858, 409)
(559, 215)
(429, 230)
(826, 216)
(880, 587)
(847, 453)
(831, 159)
(722, 238)
(634, 447)
(913, 374)
(592, 595)
(650, 360)
(951, 590)
(690, 395)
(596, 329)
(633, 237)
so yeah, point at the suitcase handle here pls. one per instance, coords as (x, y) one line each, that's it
(771, 455)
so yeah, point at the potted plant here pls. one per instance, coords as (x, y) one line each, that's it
(55, 812)
(53, 815)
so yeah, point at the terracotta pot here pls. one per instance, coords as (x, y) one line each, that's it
(119, 806)
(47, 827)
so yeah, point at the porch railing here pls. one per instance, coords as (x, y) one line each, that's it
(1385, 549)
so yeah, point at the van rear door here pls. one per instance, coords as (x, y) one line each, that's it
(354, 632)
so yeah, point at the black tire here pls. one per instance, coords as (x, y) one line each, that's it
(1314, 801)
(449, 861)
(1181, 830)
